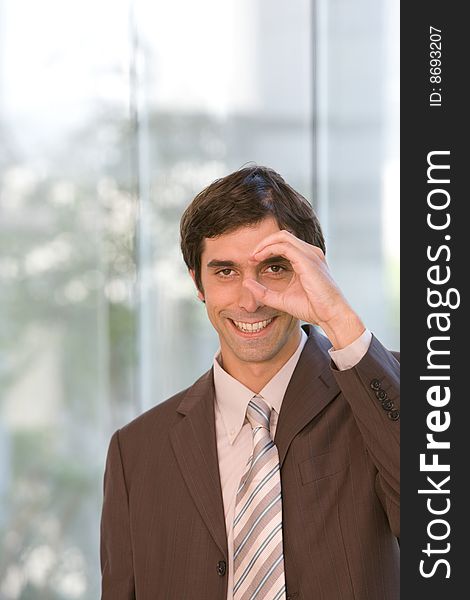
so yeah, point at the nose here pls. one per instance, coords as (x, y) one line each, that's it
(247, 300)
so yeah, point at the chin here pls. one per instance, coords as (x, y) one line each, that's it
(255, 354)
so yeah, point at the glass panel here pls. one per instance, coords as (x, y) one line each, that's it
(66, 275)
(358, 153)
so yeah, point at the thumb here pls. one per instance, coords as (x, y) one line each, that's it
(264, 294)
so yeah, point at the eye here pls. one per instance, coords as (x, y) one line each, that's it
(276, 269)
(224, 273)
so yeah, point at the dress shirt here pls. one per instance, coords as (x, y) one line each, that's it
(234, 433)
(348, 357)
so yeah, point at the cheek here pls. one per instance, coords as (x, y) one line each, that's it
(219, 296)
(219, 290)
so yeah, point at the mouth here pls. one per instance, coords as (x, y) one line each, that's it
(252, 330)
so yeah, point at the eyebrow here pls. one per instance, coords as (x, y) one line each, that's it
(215, 263)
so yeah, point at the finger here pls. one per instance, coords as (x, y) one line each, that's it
(286, 236)
(264, 294)
(285, 249)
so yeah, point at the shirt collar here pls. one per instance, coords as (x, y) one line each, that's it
(232, 397)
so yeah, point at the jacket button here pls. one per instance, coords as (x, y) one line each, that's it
(221, 568)
(394, 415)
(381, 395)
(375, 384)
(388, 404)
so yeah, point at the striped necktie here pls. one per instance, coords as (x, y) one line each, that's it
(257, 526)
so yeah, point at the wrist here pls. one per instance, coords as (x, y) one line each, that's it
(343, 329)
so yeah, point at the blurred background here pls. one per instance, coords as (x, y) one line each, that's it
(112, 116)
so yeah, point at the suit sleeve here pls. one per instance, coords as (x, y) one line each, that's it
(372, 388)
(115, 549)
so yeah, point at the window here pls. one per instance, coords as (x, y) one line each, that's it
(112, 116)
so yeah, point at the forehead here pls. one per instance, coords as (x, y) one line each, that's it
(240, 242)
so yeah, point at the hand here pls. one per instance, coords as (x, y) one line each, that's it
(311, 295)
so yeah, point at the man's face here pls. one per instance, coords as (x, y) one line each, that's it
(249, 331)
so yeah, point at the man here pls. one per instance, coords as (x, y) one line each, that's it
(199, 503)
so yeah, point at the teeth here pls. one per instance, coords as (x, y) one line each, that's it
(252, 326)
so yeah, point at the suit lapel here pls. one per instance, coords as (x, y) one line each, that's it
(195, 446)
(311, 388)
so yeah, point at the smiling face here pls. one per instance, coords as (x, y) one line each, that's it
(249, 331)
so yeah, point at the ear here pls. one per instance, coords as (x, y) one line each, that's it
(200, 295)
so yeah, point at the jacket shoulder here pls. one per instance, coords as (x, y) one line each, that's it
(162, 415)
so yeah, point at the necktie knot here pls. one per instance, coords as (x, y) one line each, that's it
(258, 413)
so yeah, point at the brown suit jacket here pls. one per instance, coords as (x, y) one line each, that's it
(163, 528)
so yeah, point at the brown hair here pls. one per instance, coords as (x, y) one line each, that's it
(243, 198)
